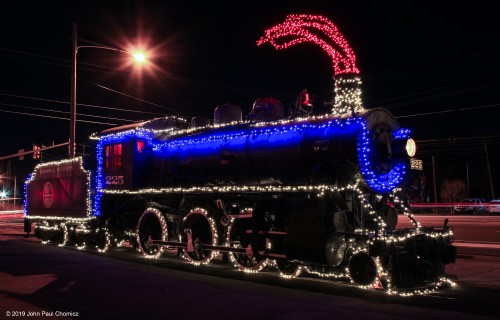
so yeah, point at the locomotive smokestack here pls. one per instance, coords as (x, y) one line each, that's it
(347, 95)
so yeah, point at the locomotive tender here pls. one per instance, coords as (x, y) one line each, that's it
(301, 192)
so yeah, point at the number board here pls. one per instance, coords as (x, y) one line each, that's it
(416, 164)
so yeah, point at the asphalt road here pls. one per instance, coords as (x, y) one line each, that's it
(473, 234)
(120, 284)
(36, 278)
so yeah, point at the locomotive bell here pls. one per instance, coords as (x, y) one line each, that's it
(304, 104)
(267, 109)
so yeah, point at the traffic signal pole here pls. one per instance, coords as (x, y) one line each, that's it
(24, 153)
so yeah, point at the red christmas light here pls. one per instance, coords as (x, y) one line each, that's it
(313, 28)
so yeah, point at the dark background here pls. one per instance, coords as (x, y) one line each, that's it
(434, 64)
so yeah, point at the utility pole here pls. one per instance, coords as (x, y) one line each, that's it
(489, 171)
(467, 175)
(15, 191)
(72, 117)
(9, 173)
(84, 148)
(434, 180)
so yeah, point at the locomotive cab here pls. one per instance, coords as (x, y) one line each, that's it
(126, 156)
(123, 163)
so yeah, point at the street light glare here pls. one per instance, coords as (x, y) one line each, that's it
(139, 57)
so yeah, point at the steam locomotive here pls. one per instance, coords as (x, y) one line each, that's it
(295, 191)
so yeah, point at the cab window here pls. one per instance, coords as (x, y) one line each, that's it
(140, 146)
(113, 156)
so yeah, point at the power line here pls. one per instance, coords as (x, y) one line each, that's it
(448, 111)
(472, 147)
(440, 93)
(177, 80)
(403, 71)
(459, 139)
(430, 66)
(80, 104)
(129, 96)
(59, 118)
(65, 112)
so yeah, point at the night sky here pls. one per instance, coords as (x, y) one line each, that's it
(434, 64)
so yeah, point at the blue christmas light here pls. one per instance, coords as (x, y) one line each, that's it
(401, 133)
(183, 144)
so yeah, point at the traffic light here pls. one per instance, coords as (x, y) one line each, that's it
(36, 152)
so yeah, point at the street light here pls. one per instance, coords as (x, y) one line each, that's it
(3, 193)
(139, 57)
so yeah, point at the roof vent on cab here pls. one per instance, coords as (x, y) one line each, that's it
(197, 122)
(165, 124)
(227, 113)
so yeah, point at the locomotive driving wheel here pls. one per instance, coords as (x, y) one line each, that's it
(198, 230)
(102, 240)
(51, 233)
(62, 235)
(151, 226)
(81, 236)
(239, 238)
(362, 269)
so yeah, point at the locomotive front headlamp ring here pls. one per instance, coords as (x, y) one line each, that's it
(411, 147)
